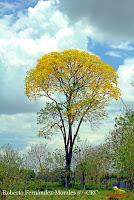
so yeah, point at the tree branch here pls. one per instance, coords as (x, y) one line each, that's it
(64, 129)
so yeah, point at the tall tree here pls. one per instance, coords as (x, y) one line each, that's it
(78, 85)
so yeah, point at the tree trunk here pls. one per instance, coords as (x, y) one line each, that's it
(69, 151)
(68, 168)
(83, 179)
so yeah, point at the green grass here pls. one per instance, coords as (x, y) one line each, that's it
(101, 195)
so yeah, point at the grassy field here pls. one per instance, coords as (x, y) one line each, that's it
(76, 195)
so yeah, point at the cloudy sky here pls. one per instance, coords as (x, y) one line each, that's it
(29, 29)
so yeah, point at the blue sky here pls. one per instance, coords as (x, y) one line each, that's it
(29, 29)
(14, 6)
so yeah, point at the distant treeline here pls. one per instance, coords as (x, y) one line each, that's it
(93, 167)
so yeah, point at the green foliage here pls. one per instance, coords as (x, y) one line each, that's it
(94, 163)
(121, 144)
(10, 175)
(28, 174)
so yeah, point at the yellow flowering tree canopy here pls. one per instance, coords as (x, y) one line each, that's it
(79, 85)
(82, 78)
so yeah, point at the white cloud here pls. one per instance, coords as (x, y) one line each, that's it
(126, 46)
(42, 30)
(18, 123)
(126, 77)
(113, 54)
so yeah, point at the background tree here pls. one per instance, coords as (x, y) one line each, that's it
(93, 164)
(80, 155)
(10, 168)
(78, 85)
(56, 164)
(121, 145)
(36, 158)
